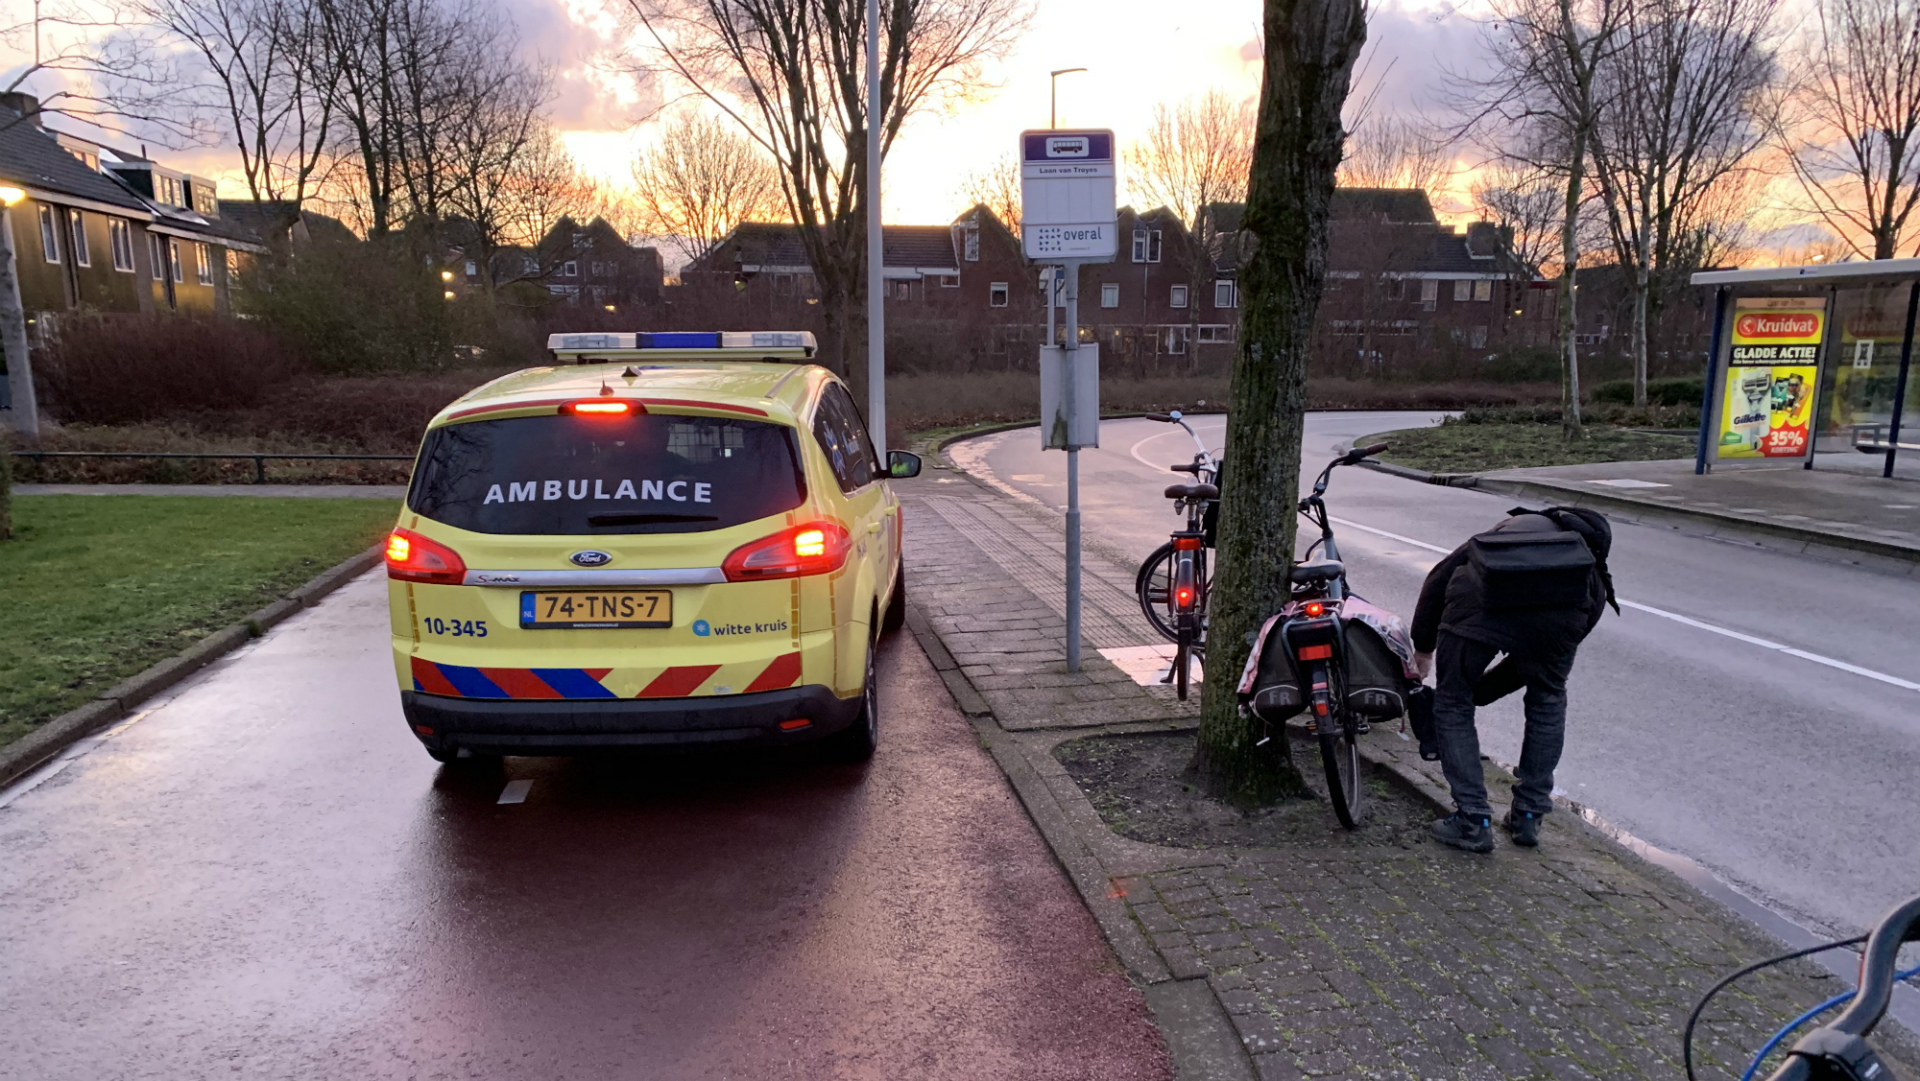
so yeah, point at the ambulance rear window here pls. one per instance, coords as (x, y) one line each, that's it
(651, 473)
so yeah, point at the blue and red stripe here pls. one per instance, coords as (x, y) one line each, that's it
(461, 681)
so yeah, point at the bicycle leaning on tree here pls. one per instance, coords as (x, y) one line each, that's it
(1173, 582)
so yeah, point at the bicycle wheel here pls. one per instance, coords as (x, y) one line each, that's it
(1182, 660)
(1340, 754)
(1154, 587)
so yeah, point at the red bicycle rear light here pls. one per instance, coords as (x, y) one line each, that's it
(1183, 597)
(1315, 653)
(597, 408)
(414, 558)
(1186, 544)
(1315, 609)
(813, 548)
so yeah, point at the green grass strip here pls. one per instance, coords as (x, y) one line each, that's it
(97, 588)
(1476, 448)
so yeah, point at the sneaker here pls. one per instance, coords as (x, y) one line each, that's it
(1525, 827)
(1471, 832)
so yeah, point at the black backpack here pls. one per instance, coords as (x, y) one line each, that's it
(1593, 528)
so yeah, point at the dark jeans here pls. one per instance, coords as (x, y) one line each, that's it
(1458, 664)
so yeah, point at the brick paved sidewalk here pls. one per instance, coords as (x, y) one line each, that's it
(1577, 960)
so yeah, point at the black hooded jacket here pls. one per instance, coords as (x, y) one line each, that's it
(1454, 600)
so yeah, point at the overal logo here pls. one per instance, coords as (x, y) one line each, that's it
(702, 628)
(591, 557)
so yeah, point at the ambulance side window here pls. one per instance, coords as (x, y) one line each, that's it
(843, 436)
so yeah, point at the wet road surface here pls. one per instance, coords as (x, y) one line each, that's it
(265, 877)
(1784, 776)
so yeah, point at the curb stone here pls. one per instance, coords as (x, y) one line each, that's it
(56, 735)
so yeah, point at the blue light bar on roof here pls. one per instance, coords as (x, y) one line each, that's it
(680, 339)
(740, 341)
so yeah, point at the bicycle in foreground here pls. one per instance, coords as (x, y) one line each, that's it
(1172, 584)
(1331, 655)
(1838, 1050)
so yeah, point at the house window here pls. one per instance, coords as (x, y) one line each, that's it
(1153, 246)
(156, 256)
(1429, 294)
(997, 295)
(900, 289)
(1462, 290)
(120, 239)
(81, 255)
(1109, 296)
(783, 285)
(473, 269)
(570, 270)
(1178, 296)
(1483, 290)
(203, 263)
(949, 281)
(1349, 328)
(1176, 339)
(1478, 340)
(233, 263)
(173, 261)
(599, 268)
(1223, 293)
(973, 242)
(49, 234)
(1139, 245)
(1394, 288)
(1215, 332)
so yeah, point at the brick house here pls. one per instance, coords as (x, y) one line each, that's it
(1402, 289)
(105, 230)
(588, 265)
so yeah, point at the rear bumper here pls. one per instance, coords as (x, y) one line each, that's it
(537, 727)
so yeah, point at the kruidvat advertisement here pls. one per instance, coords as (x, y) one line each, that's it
(1767, 408)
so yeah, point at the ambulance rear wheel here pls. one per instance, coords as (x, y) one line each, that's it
(857, 741)
(896, 616)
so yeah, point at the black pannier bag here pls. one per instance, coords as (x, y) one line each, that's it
(1377, 683)
(1273, 691)
(1532, 570)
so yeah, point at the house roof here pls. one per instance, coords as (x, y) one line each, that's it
(267, 216)
(767, 244)
(31, 157)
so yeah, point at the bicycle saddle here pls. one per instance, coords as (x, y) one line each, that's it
(1192, 491)
(1318, 570)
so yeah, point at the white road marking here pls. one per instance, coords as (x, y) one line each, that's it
(515, 792)
(1689, 621)
(1161, 467)
(1148, 665)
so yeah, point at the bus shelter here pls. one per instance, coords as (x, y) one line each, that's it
(1813, 362)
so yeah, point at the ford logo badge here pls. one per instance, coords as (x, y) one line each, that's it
(592, 557)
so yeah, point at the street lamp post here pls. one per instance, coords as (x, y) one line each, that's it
(876, 253)
(1053, 96)
(13, 326)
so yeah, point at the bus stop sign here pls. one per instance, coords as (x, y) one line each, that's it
(1067, 182)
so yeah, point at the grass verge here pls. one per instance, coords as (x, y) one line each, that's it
(1475, 448)
(100, 587)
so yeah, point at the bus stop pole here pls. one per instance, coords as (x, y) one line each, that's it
(1068, 399)
(1900, 384)
(1707, 387)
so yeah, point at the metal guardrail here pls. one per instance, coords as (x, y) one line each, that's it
(259, 460)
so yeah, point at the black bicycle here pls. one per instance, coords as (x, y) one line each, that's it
(1313, 659)
(1837, 1051)
(1172, 583)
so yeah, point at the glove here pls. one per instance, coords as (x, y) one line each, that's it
(1423, 664)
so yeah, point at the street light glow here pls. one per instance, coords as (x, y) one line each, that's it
(11, 195)
(446, 275)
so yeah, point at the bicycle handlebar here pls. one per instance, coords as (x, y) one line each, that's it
(1360, 454)
(1842, 1040)
(1163, 418)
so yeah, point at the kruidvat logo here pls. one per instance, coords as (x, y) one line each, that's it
(1778, 326)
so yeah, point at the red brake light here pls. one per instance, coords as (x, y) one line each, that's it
(599, 407)
(1183, 597)
(1315, 609)
(813, 548)
(1186, 544)
(414, 558)
(1315, 653)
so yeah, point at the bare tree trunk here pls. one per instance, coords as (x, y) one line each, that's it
(1642, 292)
(1570, 425)
(1311, 46)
